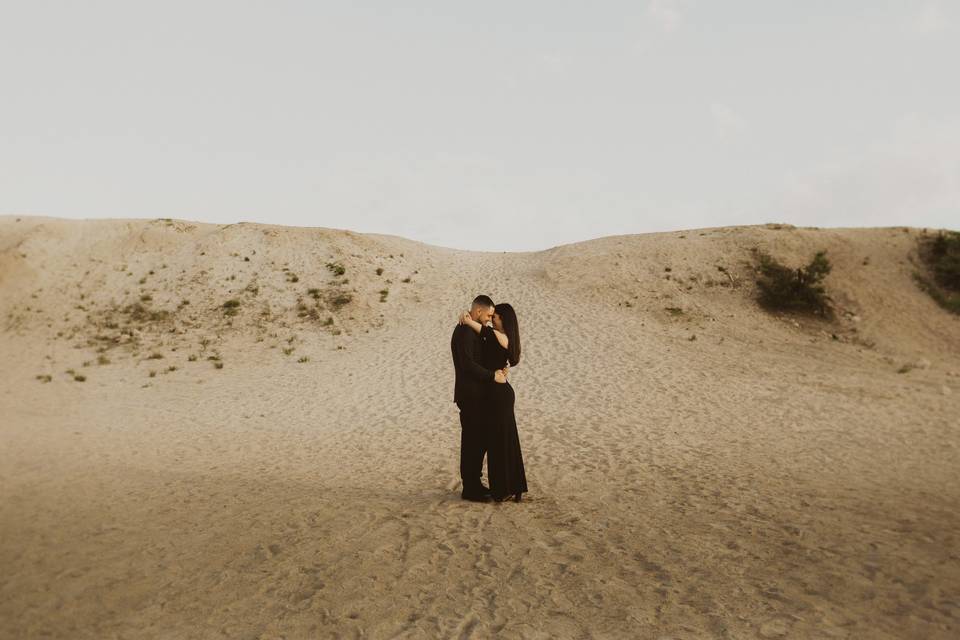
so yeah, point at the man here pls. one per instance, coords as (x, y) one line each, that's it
(469, 392)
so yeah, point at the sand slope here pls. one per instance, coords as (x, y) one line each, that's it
(698, 468)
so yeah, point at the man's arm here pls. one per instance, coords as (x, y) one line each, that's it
(465, 358)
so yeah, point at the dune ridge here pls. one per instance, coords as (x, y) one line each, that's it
(698, 468)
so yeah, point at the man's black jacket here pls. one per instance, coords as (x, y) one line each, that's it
(471, 378)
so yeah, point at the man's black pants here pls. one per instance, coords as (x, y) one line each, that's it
(473, 446)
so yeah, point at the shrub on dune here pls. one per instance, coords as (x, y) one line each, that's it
(783, 288)
(940, 255)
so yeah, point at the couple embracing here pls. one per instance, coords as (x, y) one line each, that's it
(485, 344)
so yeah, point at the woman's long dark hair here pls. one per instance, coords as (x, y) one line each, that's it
(510, 327)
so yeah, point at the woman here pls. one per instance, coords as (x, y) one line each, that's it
(502, 351)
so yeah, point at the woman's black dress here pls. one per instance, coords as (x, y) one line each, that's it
(504, 460)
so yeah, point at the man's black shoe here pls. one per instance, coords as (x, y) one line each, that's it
(474, 496)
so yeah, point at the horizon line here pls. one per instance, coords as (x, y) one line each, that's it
(393, 235)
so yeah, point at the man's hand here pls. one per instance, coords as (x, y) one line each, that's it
(499, 378)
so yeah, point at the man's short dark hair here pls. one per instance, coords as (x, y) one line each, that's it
(483, 301)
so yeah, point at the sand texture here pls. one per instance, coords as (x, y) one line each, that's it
(286, 465)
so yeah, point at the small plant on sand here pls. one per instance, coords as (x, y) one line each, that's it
(314, 293)
(153, 374)
(940, 255)
(155, 356)
(102, 359)
(304, 311)
(44, 377)
(218, 365)
(722, 269)
(230, 307)
(336, 268)
(784, 289)
(287, 351)
(383, 294)
(341, 299)
(138, 313)
(302, 359)
(79, 378)
(406, 280)
(379, 271)
(328, 321)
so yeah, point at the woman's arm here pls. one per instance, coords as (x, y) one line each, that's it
(470, 322)
(476, 326)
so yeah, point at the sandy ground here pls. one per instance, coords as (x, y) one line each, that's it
(698, 468)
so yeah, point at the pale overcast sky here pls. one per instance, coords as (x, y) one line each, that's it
(484, 125)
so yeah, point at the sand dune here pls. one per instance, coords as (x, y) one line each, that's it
(285, 465)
